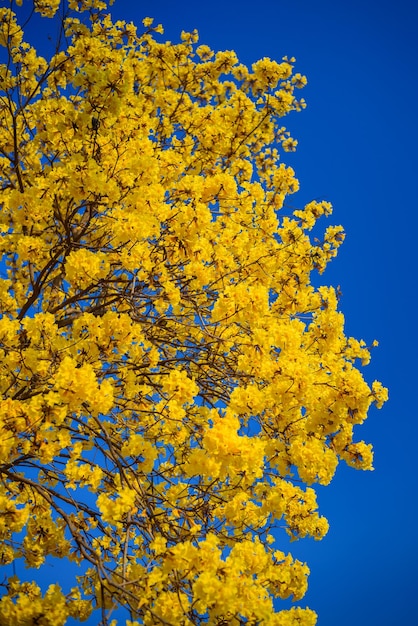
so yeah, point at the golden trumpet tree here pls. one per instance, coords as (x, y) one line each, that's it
(172, 383)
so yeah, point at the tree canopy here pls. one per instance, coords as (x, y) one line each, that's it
(173, 383)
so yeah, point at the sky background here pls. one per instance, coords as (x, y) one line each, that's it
(358, 141)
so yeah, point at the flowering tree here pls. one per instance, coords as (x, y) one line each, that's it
(172, 383)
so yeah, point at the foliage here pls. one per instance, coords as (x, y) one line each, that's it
(172, 383)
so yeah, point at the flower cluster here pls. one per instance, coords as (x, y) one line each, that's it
(173, 385)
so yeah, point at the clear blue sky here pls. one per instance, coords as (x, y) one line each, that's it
(358, 143)
(357, 148)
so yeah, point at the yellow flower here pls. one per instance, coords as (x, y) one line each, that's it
(162, 343)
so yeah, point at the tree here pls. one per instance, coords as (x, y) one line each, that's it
(172, 382)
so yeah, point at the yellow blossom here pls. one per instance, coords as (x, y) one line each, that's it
(172, 379)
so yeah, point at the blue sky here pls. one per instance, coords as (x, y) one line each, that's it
(357, 148)
(358, 141)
